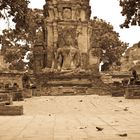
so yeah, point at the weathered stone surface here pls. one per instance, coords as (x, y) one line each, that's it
(11, 110)
(66, 62)
(117, 89)
(131, 59)
(67, 34)
(72, 83)
(132, 92)
(5, 98)
(9, 78)
(110, 78)
(27, 93)
(17, 95)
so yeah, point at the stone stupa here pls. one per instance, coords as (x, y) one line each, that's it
(66, 62)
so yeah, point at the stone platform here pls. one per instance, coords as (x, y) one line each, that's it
(69, 83)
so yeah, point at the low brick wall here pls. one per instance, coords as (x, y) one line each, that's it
(132, 92)
(11, 110)
(11, 78)
(117, 91)
(110, 78)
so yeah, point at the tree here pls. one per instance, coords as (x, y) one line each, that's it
(14, 48)
(131, 10)
(34, 22)
(16, 45)
(16, 9)
(104, 37)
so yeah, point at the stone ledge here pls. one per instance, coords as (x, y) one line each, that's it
(132, 92)
(11, 110)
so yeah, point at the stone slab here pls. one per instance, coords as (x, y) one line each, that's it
(11, 110)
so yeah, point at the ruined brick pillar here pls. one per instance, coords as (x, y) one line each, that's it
(69, 34)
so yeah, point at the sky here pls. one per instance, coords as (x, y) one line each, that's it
(108, 10)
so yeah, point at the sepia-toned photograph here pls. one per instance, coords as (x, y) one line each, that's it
(69, 69)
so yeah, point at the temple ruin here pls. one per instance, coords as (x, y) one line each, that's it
(131, 58)
(66, 59)
(66, 62)
(67, 35)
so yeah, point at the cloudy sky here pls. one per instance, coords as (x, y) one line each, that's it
(108, 10)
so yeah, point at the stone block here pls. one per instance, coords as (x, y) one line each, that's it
(132, 92)
(11, 110)
(5, 98)
(117, 91)
(17, 96)
(27, 93)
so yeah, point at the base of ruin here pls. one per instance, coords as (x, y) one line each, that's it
(69, 83)
(132, 92)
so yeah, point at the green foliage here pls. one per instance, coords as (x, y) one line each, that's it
(131, 10)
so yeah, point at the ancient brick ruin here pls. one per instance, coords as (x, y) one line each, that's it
(66, 61)
(67, 34)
